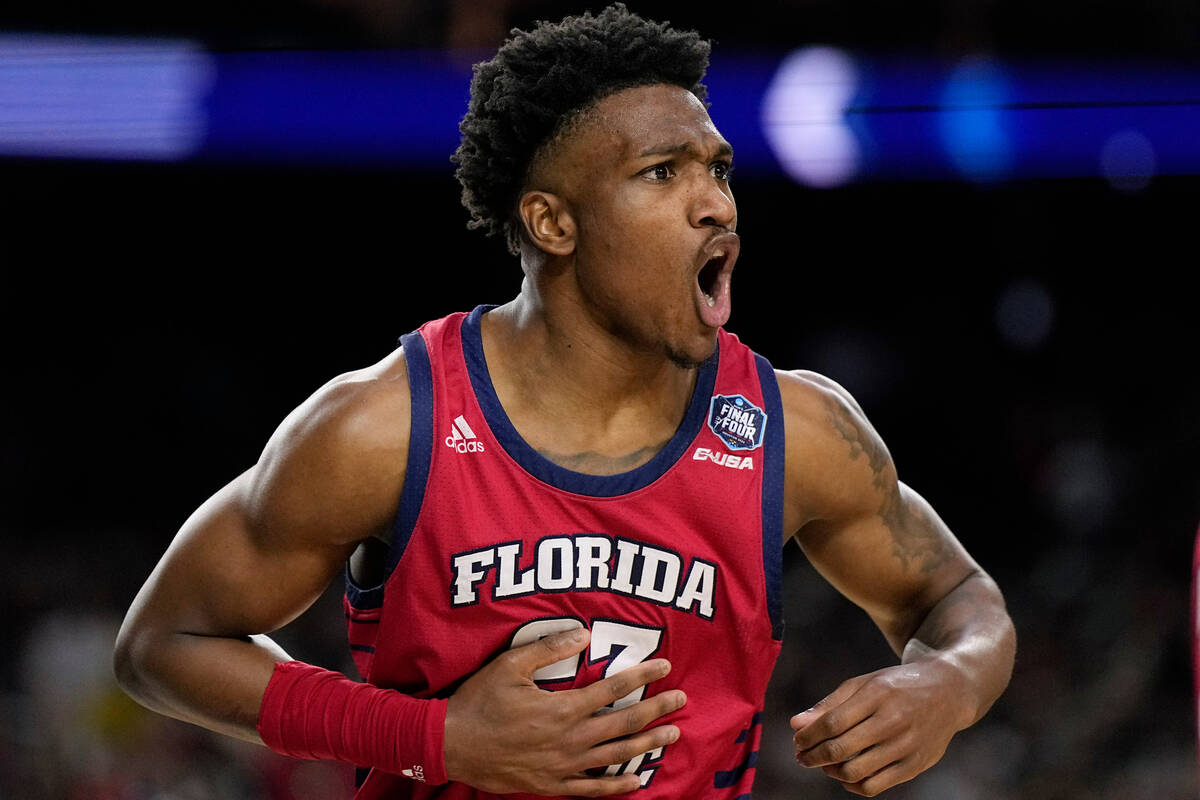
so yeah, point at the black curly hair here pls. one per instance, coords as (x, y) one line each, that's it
(540, 80)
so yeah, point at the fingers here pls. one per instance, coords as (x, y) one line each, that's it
(505, 734)
(829, 719)
(599, 787)
(626, 749)
(842, 747)
(865, 763)
(883, 766)
(893, 774)
(608, 691)
(548, 650)
(843, 693)
(869, 736)
(636, 717)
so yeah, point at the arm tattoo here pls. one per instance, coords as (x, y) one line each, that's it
(851, 429)
(916, 541)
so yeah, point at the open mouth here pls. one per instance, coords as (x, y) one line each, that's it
(713, 301)
(710, 275)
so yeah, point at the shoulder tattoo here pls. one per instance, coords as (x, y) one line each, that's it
(851, 429)
(916, 540)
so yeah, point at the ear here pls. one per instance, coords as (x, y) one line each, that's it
(548, 222)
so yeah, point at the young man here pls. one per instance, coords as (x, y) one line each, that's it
(563, 516)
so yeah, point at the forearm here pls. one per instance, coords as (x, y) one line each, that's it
(213, 681)
(249, 689)
(970, 633)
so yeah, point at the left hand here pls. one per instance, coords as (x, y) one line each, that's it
(878, 730)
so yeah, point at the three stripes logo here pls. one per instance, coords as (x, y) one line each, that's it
(462, 438)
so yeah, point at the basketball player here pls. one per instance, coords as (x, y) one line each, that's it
(563, 516)
(1194, 616)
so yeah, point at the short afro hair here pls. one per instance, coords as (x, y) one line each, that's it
(540, 80)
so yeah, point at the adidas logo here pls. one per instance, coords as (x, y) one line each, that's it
(462, 438)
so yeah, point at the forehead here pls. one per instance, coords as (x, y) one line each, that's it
(646, 118)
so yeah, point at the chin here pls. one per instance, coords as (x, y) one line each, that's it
(692, 357)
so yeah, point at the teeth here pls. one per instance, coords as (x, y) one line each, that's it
(708, 298)
(719, 254)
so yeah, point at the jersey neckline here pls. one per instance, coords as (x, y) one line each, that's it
(558, 476)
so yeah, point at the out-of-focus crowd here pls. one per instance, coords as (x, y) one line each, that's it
(1099, 706)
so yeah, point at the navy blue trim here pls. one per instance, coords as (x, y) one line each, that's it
(755, 721)
(726, 778)
(420, 443)
(774, 452)
(363, 648)
(546, 470)
(416, 475)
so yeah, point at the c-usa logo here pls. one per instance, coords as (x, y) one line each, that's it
(737, 422)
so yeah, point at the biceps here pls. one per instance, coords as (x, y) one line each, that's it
(221, 578)
(895, 564)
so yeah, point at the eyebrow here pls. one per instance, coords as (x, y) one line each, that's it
(724, 149)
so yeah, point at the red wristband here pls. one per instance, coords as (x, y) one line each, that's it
(310, 712)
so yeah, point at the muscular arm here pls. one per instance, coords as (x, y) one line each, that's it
(882, 545)
(261, 550)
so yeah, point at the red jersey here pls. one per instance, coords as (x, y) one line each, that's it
(1195, 619)
(495, 545)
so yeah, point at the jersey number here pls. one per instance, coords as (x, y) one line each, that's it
(622, 645)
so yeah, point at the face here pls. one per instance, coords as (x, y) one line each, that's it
(645, 178)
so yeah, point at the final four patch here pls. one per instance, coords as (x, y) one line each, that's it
(737, 422)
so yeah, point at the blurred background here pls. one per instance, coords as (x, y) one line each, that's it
(980, 216)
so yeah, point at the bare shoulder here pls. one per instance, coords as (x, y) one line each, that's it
(333, 470)
(837, 464)
(811, 391)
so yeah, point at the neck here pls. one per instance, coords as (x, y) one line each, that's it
(550, 360)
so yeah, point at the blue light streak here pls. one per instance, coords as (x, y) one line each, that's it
(902, 119)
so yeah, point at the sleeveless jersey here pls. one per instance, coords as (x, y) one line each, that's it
(1195, 620)
(495, 546)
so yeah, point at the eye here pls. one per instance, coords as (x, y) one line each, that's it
(659, 172)
(721, 170)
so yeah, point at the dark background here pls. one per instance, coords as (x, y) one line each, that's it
(1027, 349)
(1068, 27)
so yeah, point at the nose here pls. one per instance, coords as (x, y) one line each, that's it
(713, 205)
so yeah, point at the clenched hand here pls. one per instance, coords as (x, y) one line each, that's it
(881, 729)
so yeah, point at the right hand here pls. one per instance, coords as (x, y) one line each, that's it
(505, 734)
